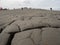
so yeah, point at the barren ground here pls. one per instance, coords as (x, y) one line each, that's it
(29, 27)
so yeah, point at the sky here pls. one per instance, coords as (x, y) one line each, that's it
(44, 4)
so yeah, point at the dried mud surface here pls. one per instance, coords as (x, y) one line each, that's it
(30, 27)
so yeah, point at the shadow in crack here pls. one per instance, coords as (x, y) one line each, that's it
(10, 38)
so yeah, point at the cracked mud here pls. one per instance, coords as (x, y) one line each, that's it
(38, 29)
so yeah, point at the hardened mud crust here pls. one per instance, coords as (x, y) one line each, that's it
(33, 30)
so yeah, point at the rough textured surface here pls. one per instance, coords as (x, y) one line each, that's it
(51, 36)
(29, 27)
(30, 37)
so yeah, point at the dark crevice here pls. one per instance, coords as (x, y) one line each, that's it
(33, 41)
(41, 37)
(10, 38)
(58, 19)
(49, 25)
(41, 27)
(35, 28)
(13, 32)
(3, 27)
(1, 30)
(53, 26)
(56, 27)
(19, 28)
(11, 22)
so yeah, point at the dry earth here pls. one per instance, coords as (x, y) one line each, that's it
(29, 27)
